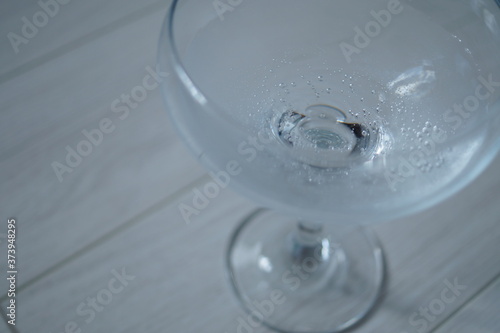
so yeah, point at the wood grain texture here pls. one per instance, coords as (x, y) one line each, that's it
(74, 23)
(119, 208)
(141, 162)
(481, 315)
(180, 283)
(458, 239)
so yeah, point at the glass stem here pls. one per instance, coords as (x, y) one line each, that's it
(309, 243)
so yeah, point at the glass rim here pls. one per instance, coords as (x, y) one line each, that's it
(212, 107)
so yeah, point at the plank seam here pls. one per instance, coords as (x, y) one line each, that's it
(135, 220)
(82, 41)
(467, 302)
(11, 328)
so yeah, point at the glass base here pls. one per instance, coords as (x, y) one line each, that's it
(297, 277)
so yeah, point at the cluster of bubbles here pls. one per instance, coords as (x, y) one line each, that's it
(423, 147)
(285, 94)
(359, 101)
(341, 86)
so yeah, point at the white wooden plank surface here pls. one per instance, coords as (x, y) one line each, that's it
(180, 284)
(4, 327)
(481, 315)
(458, 239)
(73, 234)
(74, 23)
(137, 165)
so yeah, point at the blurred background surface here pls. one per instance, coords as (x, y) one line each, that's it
(95, 181)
